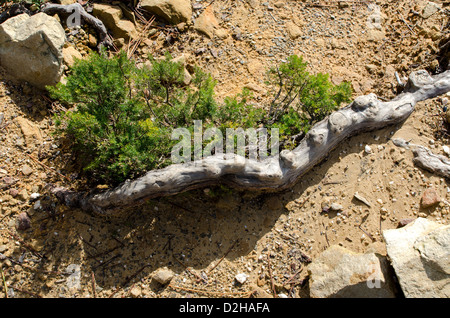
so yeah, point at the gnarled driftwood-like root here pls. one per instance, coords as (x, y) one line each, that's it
(365, 113)
(76, 8)
(425, 159)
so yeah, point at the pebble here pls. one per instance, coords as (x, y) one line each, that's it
(404, 222)
(430, 197)
(446, 150)
(241, 278)
(27, 170)
(37, 205)
(73, 282)
(13, 192)
(362, 199)
(23, 195)
(163, 276)
(367, 149)
(336, 207)
(23, 222)
(136, 292)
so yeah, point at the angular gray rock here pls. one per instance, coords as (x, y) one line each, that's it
(419, 253)
(434, 249)
(338, 272)
(174, 11)
(31, 48)
(430, 9)
(163, 275)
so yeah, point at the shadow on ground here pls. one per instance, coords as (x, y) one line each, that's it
(190, 230)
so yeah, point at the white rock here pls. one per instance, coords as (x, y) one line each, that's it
(446, 150)
(336, 207)
(367, 149)
(37, 205)
(31, 48)
(241, 278)
(73, 282)
(434, 249)
(34, 196)
(419, 253)
(338, 272)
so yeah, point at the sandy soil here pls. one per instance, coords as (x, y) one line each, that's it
(207, 237)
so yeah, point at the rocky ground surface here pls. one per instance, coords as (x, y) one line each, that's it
(219, 242)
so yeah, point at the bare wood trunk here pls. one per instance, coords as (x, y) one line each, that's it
(425, 159)
(365, 113)
(69, 9)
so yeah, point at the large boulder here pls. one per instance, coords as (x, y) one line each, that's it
(31, 48)
(339, 272)
(173, 11)
(419, 253)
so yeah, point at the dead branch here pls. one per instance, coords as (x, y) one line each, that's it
(69, 9)
(425, 159)
(365, 113)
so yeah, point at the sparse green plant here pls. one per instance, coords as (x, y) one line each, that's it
(123, 115)
(110, 127)
(302, 99)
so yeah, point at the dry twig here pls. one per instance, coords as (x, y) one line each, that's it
(25, 291)
(270, 275)
(4, 281)
(32, 250)
(47, 167)
(225, 255)
(200, 291)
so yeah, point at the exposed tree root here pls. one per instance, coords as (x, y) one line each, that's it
(364, 114)
(76, 8)
(425, 159)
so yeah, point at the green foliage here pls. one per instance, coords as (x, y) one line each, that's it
(172, 103)
(237, 112)
(111, 129)
(302, 99)
(123, 116)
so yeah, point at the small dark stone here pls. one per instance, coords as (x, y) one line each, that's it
(23, 222)
(13, 192)
(430, 197)
(404, 222)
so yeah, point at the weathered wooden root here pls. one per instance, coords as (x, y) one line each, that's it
(365, 113)
(69, 9)
(425, 159)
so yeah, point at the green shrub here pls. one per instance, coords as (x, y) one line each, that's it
(123, 117)
(302, 99)
(111, 129)
(171, 102)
